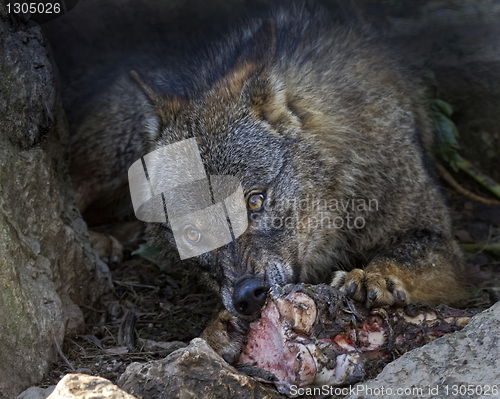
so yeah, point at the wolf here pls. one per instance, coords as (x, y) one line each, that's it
(329, 138)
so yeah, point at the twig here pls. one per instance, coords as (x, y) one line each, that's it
(62, 355)
(136, 285)
(486, 181)
(481, 246)
(461, 190)
(79, 346)
(126, 333)
(92, 309)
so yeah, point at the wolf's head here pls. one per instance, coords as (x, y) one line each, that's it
(248, 125)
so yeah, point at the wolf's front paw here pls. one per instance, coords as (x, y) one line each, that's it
(226, 334)
(372, 286)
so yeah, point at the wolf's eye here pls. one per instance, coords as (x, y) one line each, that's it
(256, 202)
(192, 235)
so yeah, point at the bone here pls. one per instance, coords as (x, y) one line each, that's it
(313, 335)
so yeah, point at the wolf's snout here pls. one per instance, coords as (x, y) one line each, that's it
(249, 296)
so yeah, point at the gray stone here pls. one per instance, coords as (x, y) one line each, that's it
(192, 372)
(44, 254)
(455, 361)
(36, 393)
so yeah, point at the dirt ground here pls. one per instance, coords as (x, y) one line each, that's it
(172, 305)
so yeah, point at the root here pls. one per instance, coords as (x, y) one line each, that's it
(466, 193)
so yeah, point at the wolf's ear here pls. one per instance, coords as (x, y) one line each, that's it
(164, 106)
(269, 100)
(256, 56)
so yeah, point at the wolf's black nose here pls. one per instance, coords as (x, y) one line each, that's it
(249, 296)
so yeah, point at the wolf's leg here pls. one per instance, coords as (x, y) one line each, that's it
(226, 334)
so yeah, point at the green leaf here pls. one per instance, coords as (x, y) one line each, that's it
(441, 106)
(150, 253)
(446, 135)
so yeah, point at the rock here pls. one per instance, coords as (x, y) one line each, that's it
(36, 393)
(44, 251)
(83, 386)
(455, 361)
(192, 372)
(195, 371)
